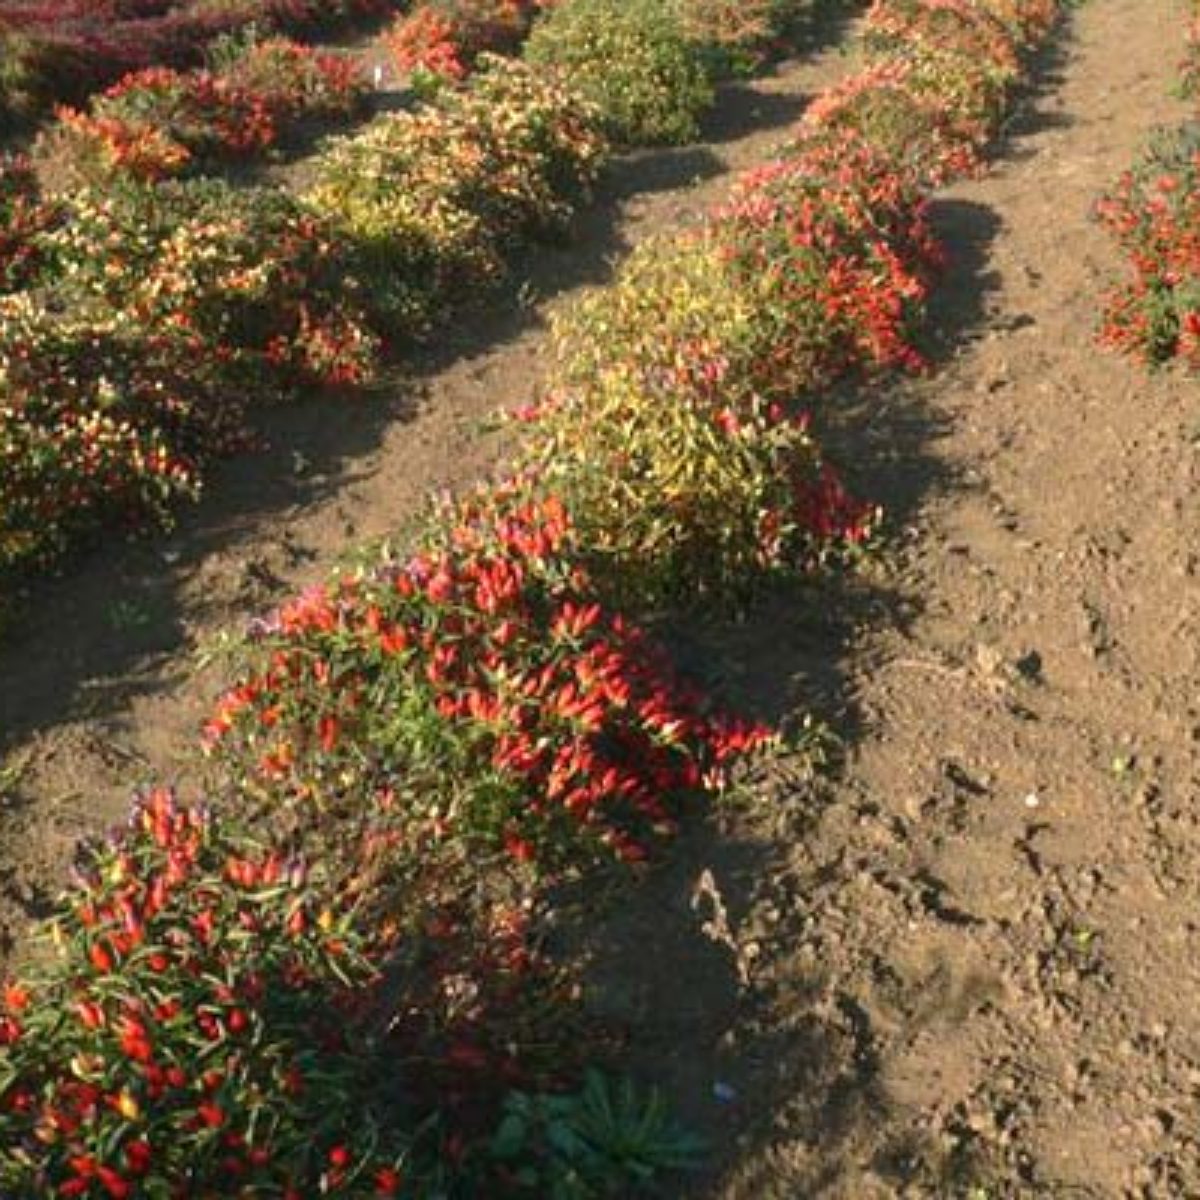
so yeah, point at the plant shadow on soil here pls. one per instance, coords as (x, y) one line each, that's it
(1033, 115)
(776, 1068)
(760, 1068)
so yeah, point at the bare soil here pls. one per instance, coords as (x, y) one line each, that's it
(963, 964)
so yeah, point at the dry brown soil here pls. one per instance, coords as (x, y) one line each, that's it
(964, 964)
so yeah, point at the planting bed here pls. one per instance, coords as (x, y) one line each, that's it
(934, 970)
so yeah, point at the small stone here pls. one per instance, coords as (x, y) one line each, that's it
(988, 658)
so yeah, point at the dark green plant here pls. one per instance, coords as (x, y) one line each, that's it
(608, 1139)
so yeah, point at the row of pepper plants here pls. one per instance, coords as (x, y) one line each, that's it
(650, 68)
(1153, 213)
(333, 981)
(142, 317)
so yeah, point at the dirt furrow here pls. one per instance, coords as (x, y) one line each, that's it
(984, 952)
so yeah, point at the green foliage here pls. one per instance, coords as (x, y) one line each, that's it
(634, 59)
(433, 198)
(607, 1140)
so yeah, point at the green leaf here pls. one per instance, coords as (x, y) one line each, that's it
(509, 1139)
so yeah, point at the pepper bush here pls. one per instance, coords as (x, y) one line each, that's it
(444, 38)
(481, 688)
(936, 83)
(634, 60)
(98, 424)
(834, 245)
(162, 122)
(949, 28)
(260, 285)
(214, 1017)
(651, 65)
(675, 422)
(686, 481)
(898, 110)
(959, 58)
(742, 34)
(432, 199)
(198, 1032)
(154, 318)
